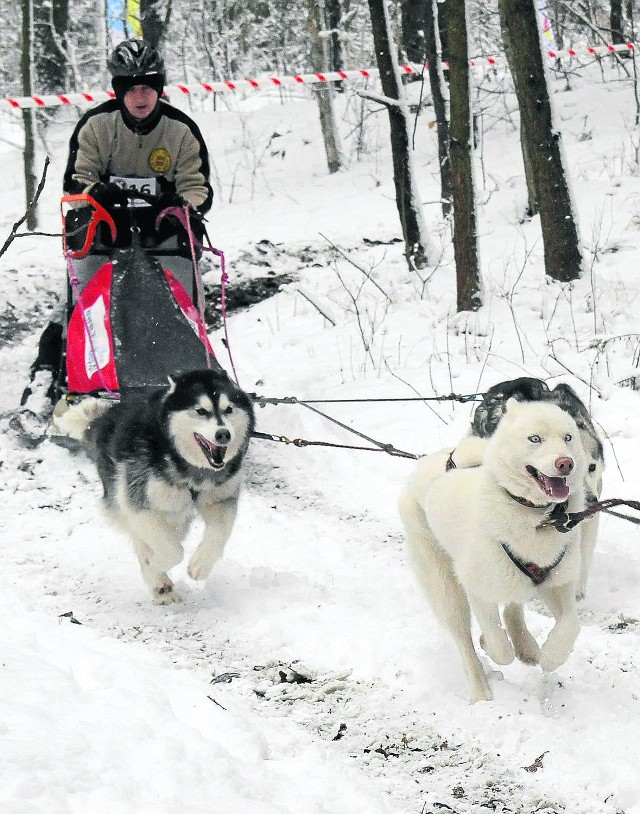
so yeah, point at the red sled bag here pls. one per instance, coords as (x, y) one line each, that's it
(132, 326)
(90, 353)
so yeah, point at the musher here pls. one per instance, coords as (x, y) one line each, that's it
(139, 142)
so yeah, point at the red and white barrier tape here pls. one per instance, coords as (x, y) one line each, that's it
(55, 100)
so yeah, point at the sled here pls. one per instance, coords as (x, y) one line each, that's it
(131, 317)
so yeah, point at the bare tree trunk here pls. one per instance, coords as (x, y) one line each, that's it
(413, 14)
(28, 115)
(418, 249)
(154, 20)
(324, 92)
(562, 257)
(336, 48)
(51, 21)
(465, 232)
(532, 195)
(440, 96)
(617, 25)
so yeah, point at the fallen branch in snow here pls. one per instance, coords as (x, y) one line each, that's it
(13, 234)
(601, 341)
(322, 310)
(537, 763)
(366, 273)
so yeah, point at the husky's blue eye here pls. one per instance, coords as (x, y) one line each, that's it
(568, 437)
(535, 439)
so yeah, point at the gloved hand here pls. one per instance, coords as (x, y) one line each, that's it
(109, 194)
(169, 199)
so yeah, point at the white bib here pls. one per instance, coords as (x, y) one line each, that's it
(147, 185)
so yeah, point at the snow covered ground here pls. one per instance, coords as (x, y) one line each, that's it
(307, 674)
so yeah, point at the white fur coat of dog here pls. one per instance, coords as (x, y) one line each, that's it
(469, 525)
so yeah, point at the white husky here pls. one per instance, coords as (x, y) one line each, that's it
(475, 525)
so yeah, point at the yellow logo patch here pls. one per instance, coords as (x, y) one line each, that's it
(160, 160)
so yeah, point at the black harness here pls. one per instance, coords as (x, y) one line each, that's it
(559, 519)
(536, 573)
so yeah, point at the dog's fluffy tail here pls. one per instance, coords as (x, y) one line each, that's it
(76, 421)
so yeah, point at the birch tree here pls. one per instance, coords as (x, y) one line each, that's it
(101, 41)
(324, 92)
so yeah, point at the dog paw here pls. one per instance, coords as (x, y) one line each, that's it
(498, 648)
(557, 649)
(480, 694)
(200, 565)
(528, 655)
(527, 650)
(164, 593)
(552, 657)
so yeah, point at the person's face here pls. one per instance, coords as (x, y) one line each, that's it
(140, 101)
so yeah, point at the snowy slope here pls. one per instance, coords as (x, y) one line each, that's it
(308, 673)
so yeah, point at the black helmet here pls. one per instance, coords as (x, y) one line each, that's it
(135, 58)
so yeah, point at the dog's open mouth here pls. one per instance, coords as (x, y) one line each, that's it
(554, 487)
(213, 453)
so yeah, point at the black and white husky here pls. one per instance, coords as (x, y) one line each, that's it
(489, 412)
(164, 459)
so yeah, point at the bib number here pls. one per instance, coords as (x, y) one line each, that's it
(148, 186)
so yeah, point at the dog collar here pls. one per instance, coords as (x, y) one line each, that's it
(536, 573)
(558, 517)
(528, 503)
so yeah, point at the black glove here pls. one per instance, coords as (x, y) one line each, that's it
(109, 195)
(169, 199)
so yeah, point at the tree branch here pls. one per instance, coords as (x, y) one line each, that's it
(32, 204)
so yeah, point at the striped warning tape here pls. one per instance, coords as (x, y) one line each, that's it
(58, 99)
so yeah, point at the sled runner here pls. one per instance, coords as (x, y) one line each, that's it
(131, 318)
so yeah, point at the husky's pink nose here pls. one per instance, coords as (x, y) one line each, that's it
(564, 465)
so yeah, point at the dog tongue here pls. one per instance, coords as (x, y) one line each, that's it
(214, 454)
(555, 487)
